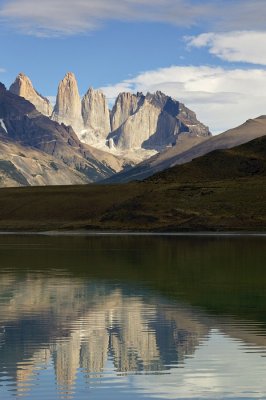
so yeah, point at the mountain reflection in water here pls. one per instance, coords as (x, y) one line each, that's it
(82, 324)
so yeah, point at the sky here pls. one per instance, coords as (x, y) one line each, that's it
(208, 54)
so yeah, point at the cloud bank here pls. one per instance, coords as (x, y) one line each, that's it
(235, 30)
(68, 17)
(222, 98)
(235, 46)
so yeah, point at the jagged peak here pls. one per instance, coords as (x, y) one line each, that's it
(92, 91)
(69, 76)
(23, 80)
(160, 99)
(158, 95)
(23, 87)
(22, 84)
(129, 94)
(20, 79)
(69, 82)
(22, 75)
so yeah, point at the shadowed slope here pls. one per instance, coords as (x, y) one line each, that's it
(185, 150)
(22, 124)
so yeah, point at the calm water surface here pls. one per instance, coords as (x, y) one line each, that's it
(132, 317)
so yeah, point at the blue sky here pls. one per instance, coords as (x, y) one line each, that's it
(208, 54)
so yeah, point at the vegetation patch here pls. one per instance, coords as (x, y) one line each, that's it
(54, 166)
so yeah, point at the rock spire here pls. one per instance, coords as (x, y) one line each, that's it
(23, 87)
(68, 103)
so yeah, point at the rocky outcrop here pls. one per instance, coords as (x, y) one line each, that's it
(190, 123)
(23, 87)
(126, 105)
(136, 128)
(96, 117)
(39, 138)
(68, 104)
(152, 122)
(21, 166)
(147, 124)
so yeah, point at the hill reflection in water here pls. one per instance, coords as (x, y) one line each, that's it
(91, 312)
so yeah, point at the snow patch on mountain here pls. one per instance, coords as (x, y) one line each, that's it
(3, 125)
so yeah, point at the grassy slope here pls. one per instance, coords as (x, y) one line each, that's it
(224, 190)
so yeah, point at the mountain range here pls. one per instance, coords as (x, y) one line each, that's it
(37, 151)
(80, 140)
(135, 122)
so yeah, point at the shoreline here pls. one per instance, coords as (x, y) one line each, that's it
(131, 233)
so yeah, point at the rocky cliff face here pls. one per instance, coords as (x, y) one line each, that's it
(89, 117)
(26, 131)
(23, 87)
(153, 122)
(68, 105)
(96, 117)
(126, 105)
(136, 128)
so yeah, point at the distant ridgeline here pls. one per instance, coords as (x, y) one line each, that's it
(136, 121)
(81, 141)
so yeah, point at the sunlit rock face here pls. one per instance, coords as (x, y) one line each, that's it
(35, 150)
(67, 109)
(23, 87)
(152, 122)
(126, 105)
(96, 117)
(137, 127)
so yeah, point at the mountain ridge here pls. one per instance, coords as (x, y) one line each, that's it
(23, 87)
(136, 122)
(23, 125)
(164, 129)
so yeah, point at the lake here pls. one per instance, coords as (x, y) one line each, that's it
(132, 317)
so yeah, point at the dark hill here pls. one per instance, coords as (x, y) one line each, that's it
(222, 191)
(184, 151)
(246, 160)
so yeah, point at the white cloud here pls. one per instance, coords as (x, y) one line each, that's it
(65, 17)
(240, 15)
(219, 368)
(112, 91)
(235, 46)
(222, 98)
(2, 70)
